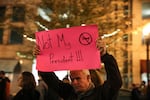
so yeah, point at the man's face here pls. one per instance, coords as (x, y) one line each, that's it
(79, 80)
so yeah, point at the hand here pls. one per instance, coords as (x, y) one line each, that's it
(36, 50)
(101, 45)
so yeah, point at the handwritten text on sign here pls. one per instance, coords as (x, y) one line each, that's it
(68, 49)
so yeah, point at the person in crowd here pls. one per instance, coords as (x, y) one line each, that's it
(96, 77)
(42, 88)
(66, 79)
(4, 86)
(142, 88)
(82, 87)
(28, 87)
(148, 91)
(135, 93)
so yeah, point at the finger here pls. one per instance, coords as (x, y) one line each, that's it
(36, 50)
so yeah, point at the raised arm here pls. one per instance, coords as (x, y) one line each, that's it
(111, 66)
(113, 74)
(56, 88)
(113, 82)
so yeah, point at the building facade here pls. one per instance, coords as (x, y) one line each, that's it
(141, 16)
(15, 48)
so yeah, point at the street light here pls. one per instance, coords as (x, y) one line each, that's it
(146, 38)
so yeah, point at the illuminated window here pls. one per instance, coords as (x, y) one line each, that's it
(16, 36)
(1, 35)
(126, 10)
(2, 13)
(146, 10)
(18, 14)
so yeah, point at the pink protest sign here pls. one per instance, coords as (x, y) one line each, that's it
(68, 49)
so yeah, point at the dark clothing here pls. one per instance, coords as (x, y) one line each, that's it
(107, 91)
(43, 89)
(148, 93)
(27, 95)
(135, 94)
(2, 88)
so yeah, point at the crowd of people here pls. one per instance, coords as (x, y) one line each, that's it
(81, 85)
(140, 92)
(85, 84)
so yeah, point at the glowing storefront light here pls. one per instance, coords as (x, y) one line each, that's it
(146, 39)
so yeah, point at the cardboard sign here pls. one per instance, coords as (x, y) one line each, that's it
(68, 49)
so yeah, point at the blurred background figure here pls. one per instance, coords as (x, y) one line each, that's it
(148, 91)
(143, 90)
(96, 77)
(66, 79)
(135, 93)
(4, 86)
(28, 87)
(42, 88)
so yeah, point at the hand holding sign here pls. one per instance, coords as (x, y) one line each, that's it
(68, 49)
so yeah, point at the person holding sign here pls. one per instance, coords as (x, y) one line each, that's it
(82, 87)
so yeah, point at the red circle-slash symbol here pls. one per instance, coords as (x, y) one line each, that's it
(85, 38)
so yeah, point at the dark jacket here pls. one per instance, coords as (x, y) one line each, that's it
(148, 93)
(107, 91)
(2, 89)
(135, 94)
(27, 95)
